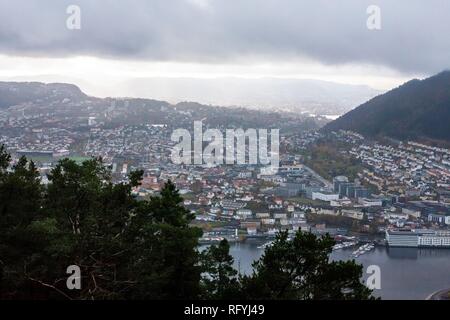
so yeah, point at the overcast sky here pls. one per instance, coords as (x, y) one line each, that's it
(320, 39)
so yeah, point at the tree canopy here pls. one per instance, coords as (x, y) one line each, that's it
(140, 249)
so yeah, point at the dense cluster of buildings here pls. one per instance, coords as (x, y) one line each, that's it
(406, 168)
(396, 190)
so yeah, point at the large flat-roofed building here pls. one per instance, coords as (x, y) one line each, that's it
(34, 153)
(402, 239)
(324, 196)
(366, 202)
(418, 238)
(352, 190)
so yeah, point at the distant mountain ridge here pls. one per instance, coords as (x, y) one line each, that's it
(418, 109)
(294, 95)
(285, 95)
(14, 93)
(69, 99)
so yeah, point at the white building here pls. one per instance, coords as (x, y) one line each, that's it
(262, 215)
(325, 196)
(244, 213)
(370, 202)
(418, 238)
(447, 220)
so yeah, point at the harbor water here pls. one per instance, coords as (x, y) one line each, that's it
(406, 273)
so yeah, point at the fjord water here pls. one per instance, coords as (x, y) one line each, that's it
(406, 273)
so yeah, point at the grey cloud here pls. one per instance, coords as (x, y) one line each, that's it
(414, 36)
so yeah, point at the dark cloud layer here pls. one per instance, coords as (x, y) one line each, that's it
(414, 35)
